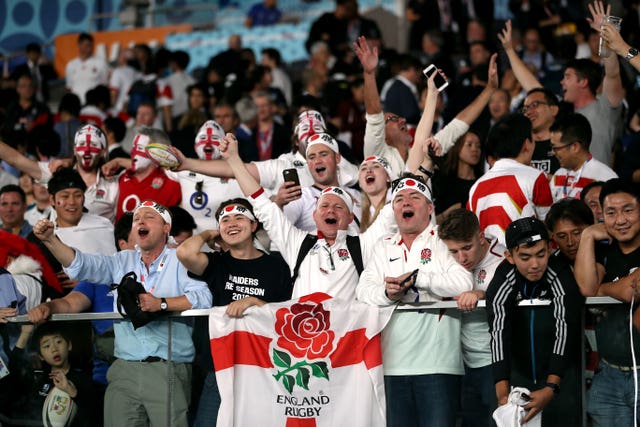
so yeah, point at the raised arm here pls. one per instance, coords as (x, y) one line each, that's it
(215, 168)
(587, 271)
(618, 45)
(19, 161)
(189, 252)
(526, 78)
(369, 59)
(229, 148)
(43, 230)
(473, 110)
(611, 83)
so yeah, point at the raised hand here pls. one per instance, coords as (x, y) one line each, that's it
(505, 36)
(368, 57)
(598, 13)
(492, 80)
(43, 229)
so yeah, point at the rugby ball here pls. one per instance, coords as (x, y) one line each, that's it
(59, 409)
(162, 155)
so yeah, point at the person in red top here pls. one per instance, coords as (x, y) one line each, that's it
(511, 189)
(143, 179)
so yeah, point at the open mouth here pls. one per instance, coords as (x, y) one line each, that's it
(407, 214)
(208, 150)
(143, 232)
(369, 179)
(320, 169)
(331, 221)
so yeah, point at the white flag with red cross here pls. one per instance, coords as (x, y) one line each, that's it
(311, 362)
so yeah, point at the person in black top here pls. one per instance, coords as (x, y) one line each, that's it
(536, 347)
(240, 276)
(607, 265)
(565, 221)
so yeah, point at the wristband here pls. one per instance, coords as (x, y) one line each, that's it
(553, 386)
(425, 171)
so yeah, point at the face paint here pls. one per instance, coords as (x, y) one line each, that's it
(138, 154)
(89, 143)
(208, 139)
(309, 123)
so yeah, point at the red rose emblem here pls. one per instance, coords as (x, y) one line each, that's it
(304, 330)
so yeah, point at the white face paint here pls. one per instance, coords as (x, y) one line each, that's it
(208, 139)
(310, 123)
(141, 160)
(89, 144)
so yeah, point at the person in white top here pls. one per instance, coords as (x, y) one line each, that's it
(269, 172)
(420, 348)
(89, 149)
(386, 134)
(570, 141)
(461, 232)
(323, 157)
(122, 77)
(86, 71)
(329, 265)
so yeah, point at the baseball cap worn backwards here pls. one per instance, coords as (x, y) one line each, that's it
(525, 231)
(65, 178)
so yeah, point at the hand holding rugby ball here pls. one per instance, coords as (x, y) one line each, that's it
(162, 155)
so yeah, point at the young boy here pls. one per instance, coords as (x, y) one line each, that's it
(53, 347)
(536, 347)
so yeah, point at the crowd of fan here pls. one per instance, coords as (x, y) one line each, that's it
(534, 123)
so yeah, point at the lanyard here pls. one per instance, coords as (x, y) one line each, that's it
(575, 181)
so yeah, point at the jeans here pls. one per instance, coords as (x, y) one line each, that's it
(209, 402)
(610, 398)
(478, 397)
(422, 400)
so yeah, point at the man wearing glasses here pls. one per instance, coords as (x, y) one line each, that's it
(570, 140)
(541, 108)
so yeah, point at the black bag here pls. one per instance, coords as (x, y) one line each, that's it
(128, 304)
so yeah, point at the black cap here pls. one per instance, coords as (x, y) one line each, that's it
(65, 178)
(525, 230)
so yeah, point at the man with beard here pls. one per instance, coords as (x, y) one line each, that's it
(89, 150)
(143, 179)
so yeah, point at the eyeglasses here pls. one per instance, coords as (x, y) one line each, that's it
(554, 150)
(534, 105)
(392, 118)
(199, 197)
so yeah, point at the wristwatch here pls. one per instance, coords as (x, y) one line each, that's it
(163, 304)
(631, 53)
(553, 386)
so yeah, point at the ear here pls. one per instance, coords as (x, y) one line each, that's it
(166, 228)
(70, 345)
(52, 200)
(508, 257)
(338, 158)
(254, 226)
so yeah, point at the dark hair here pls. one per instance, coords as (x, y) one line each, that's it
(46, 142)
(574, 128)
(65, 178)
(587, 69)
(70, 103)
(85, 37)
(549, 97)
(237, 201)
(461, 225)
(589, 187)
(573, 210)
(181, 58)
(49, 328)
(181, 220)
(257, 74)
(406, 61)
(506, 137)
(617, 185)
(33, 47)
(13, 188)
(99, 96)
(274, 54)
(117, 126)
(450, 165)
(122, 228)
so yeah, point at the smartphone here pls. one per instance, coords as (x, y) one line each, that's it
(291, 175)
(410, 278)
(441, 82)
